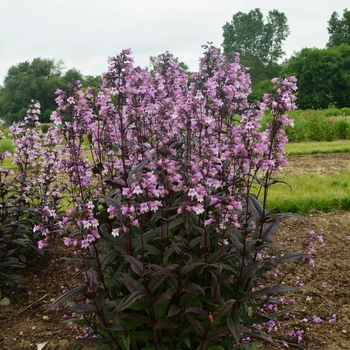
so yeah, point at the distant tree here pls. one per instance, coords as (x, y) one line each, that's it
(37, 80)
(261, 88)
(92, 81)
(323, 76)
(72, 74)
(152, 61)
(259, 42)
(339, 29)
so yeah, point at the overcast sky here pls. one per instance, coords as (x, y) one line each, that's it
(84, 33)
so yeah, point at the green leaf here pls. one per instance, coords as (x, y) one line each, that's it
(161, 308)
(234, 326)
(139, 305)
(187, 340)
(149, 347)
(126, 342)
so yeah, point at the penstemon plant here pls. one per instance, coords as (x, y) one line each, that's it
(28, 196)
(164, 210)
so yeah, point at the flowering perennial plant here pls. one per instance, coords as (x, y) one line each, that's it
(27, 199)
(162, 209)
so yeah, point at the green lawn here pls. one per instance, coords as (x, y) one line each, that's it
(339, 146)
(312, 191)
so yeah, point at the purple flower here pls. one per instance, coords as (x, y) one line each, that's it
(296, 333)
(299, 283)
(333, 319)
(316, 319)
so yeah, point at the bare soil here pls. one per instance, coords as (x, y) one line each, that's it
(26, 323)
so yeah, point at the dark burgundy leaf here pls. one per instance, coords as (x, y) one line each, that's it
(173, 310)
(196, 325)
(190, 287)
(131, 283)
(199, 311)
(218, 333)
(138, 318)
(290, 257)
(189, 267)
(267, 291)
(164, 323)
(126, 302)
(135, 265)
(161, 297)
(71, 294)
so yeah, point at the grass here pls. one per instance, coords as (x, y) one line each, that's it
(310, 192)
(301, 148)
(7, 145)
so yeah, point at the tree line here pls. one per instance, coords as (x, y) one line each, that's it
(323, 74)
(38, 80)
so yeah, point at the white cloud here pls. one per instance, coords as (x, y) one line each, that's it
(84, 33)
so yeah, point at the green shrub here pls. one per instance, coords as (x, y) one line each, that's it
(45, 127)
(345, 111)
(341, 129)
(7, 145)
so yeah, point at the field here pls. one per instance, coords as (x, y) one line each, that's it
(25, 323)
